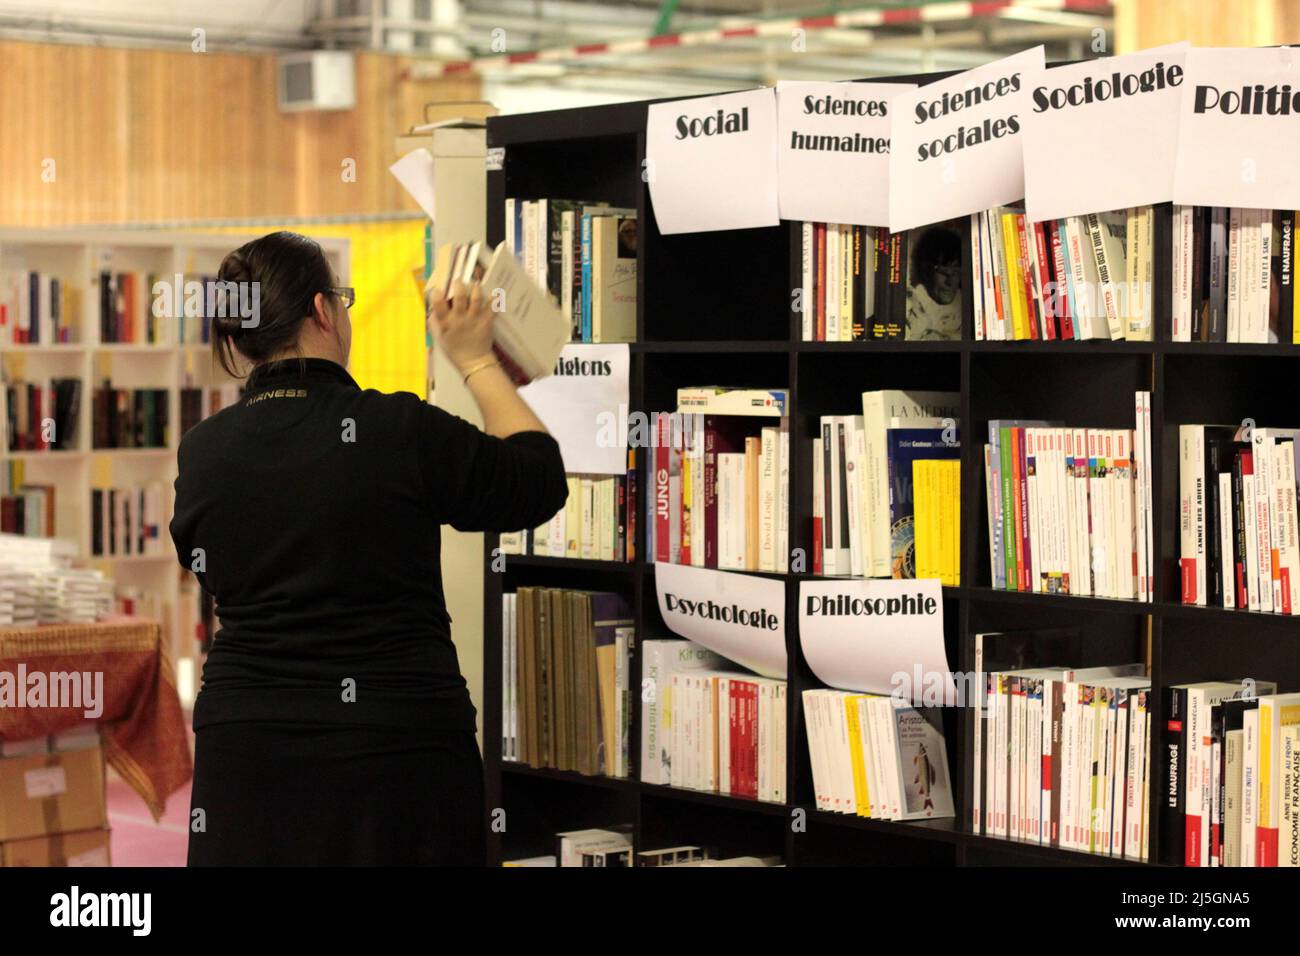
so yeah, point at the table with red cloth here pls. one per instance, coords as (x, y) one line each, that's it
(141, 726)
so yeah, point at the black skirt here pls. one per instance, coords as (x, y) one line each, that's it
(289, 794)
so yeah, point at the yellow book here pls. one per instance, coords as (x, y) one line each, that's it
(952, 522)
(861, 794)
(1015, 277)
(921, 505)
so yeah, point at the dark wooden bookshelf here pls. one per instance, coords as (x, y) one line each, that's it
(716, 308)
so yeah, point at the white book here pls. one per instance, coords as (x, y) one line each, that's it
(1089, 312)
(1234, 274)
(1182, 274)
(1140, 465)
(833, 267)
(1253, 583)
(1249, 784)
(783, 497)
(1126, 532)
(1191, 511)
(1264, 272)
(808, 291)
(977, 275)
(731, 511)
(854, 447)
(660, 661)
(1223, 524)
(767, 466)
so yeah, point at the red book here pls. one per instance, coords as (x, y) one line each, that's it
(1061, 298)
(662, 450)
(1031, 300)
(1044, 277)
(817, 545)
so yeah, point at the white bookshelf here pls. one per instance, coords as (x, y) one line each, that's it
(77, 257)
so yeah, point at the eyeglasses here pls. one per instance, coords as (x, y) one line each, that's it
(347, 294)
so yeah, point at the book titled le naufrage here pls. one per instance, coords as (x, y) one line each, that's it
(720, 468)
(583, 254)
(566, 671)
(528, 331)
(1070, 509)
(1238, 515)
(597, 522)
(863, 524)
(707, 724)
(1230, 777)
(1233, 275)
(862, 282)
(1081, 277)
(1061, 753)
(876, 756)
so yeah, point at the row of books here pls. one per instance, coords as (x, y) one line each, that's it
(40, 415)
(566, 669)
(127, 521)
(197, 403)
(862, 283)
(1070, 509)
(129, 417)
(721, 467)
(1233, 275)
(38, 584)
(1081, 277)
(25, 508)
(705, 725)
(1238, 540)
(36, 308)
(597, 521)
(584, 255)
(1229, 754)
(876, 756)
(1062, 758)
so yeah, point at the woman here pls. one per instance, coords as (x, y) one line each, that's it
(333, 725)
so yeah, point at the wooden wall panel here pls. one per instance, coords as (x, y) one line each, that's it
(147, 135)
(1140, 24)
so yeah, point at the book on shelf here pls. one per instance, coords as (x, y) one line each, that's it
(40, 415)
(1061, 754)
(584, 847)
(26, 508)
(1228, 760)
(197, 403)
(1080, 277)
(127, 521)
(566, 670)
(528, 331)
(597, 522)
(37, 308)
(720, 468)
(129, 417)
(126, 310)
(660, 660)
(583, 255)
(1233, 275)
(1070, 509)
(876, 756)
(861, 282)
(1238, 544)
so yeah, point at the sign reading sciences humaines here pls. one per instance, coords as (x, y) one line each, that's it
(711, 162)
(1123, 107)
(833, 151)
(955, 144)
(1239, 129)
(740, 616)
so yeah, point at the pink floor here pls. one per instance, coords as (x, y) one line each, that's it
(136, 839)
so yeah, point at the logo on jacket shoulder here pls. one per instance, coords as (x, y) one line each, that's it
(276, 393)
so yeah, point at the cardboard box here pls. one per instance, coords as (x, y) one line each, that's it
(51, 793)
(85, 848)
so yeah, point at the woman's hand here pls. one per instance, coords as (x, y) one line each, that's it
(463, 325)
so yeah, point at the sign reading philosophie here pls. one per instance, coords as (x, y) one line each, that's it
(1239, 129)
(1123, 108)
(955, 145)
(833, 151)
(740, 616)
(711, 162)
(583, 403)
(877, 636)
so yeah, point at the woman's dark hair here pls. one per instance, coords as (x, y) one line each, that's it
(263, 294)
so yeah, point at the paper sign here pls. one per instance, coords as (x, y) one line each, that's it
(45, 782)
(1239, 129)
(1124, 108)
(833, 151)
(877, 637)
(711, 162)
(415, 172)
(583, 404)
(955, 145)
(740, 616)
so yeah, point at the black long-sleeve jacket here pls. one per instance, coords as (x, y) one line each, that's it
(311, 510)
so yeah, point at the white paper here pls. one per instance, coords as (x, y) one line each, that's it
(833, 151)
(1072, 116)
(1246, 159)
(740, 616)
(897, 648)
(45, 782)
(583, 404)
(415, 172)
(705, 175)
(937, 170)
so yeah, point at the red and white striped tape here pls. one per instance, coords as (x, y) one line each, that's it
(850, 19)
